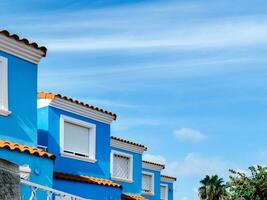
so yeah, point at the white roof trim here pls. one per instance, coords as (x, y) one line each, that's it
(126, 146)
(78, 109)
(166, 179)
(151, 166)
(20, 50)
(43, 103)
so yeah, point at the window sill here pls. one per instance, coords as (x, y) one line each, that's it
(122, 180)
(148, 193)
(4, 112)
(66, 155)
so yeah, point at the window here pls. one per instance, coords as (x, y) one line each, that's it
(163, 192)
(77, 139)
(121, 166)
(3, 87)
(148, 183)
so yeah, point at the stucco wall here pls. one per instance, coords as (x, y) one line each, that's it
(9, 181)
(41, 168)
(136, 186)
(156, 195)
(21, 125)
(170, 190)
(51, 133)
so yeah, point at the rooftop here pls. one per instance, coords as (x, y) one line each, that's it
(52, 96)
(132, 197)
(25, 149)
(24, 41)
(128, 142)
(169, 177)
(152, 163)
(86, 179)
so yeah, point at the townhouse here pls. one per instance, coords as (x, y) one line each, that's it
(19, 60)
(63, 146)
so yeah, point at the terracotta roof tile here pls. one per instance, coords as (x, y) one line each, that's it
(86, 179)
(132, 197)
(23, 40)
(152, 163)
(128, 142)
(25, 149)
(171, 177)
(48, 95)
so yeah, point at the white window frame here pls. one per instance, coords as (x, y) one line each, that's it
(92, 138)
(4, 86)
(153, 183)
(167, 190)
(114, 152)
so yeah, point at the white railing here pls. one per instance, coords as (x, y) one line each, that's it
(51, 194)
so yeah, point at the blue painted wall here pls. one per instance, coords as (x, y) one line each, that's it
(41, 169)
(21, 125)
(136, 186)
(170, 190)
(49, 135)
(86, 190)
(156, 195)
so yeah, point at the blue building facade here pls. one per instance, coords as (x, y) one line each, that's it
(126, 167)
(81, 157)
(166, 187)
(18, 114)
(64, 144)
(151, 180)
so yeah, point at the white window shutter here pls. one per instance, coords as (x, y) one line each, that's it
(147, 183)
(76, 139)
(163, 191)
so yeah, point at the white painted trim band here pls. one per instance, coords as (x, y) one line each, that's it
(166, 179)
(80, 110)
(20, 50)
(126, 146)
(151, 166)
(4, 86)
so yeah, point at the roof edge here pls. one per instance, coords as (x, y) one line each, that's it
(151, 165)
(21, 47)
(166, 178)
(25, 149)
(86, 179)
(77, 107)
(127, 145)
(132, 196)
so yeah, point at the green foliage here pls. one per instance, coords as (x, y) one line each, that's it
(251, 187)
(212, 188)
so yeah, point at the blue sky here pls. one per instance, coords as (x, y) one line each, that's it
(186, 78)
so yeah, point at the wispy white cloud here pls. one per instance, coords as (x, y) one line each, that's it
(197, 165)
(263, 153)
(189, 134)
(130, 123)
(263, 157)
(109, 103)
(105, 29)
(207, 35)
(155, 158)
